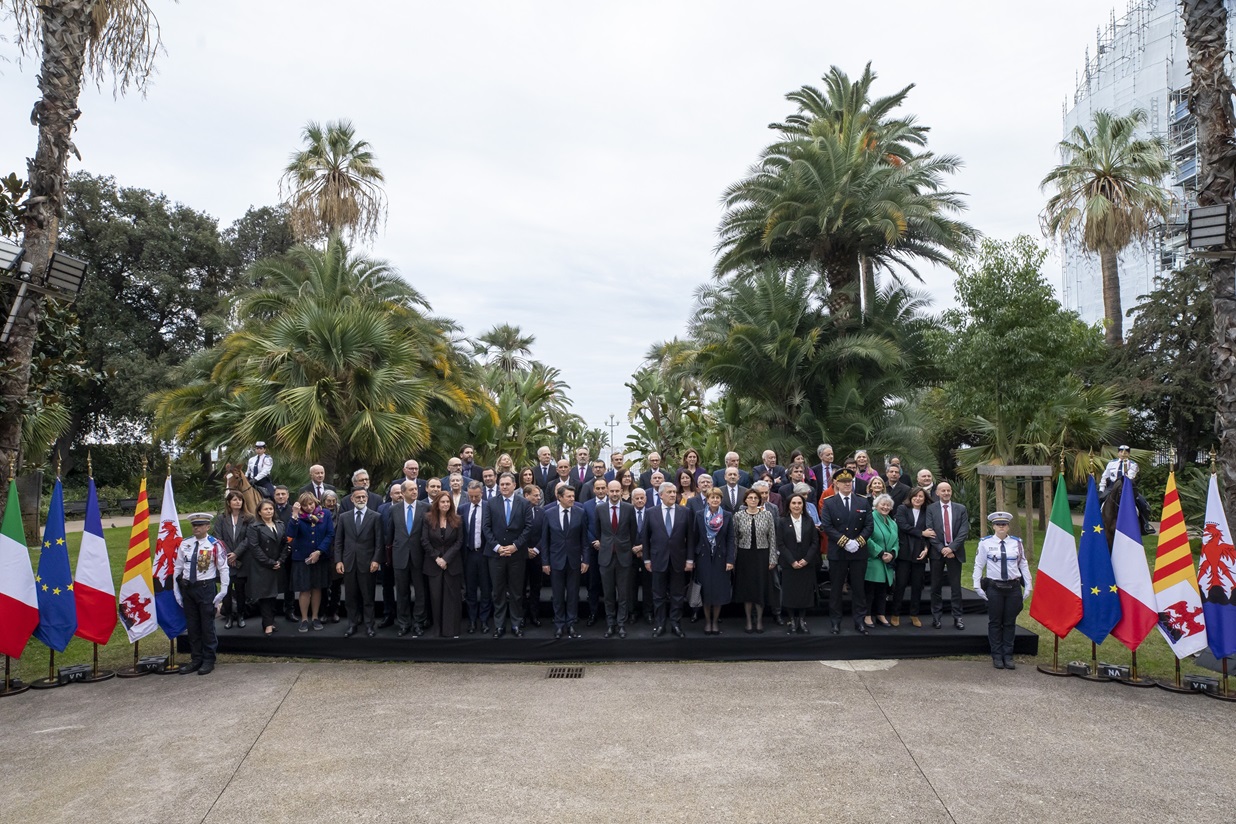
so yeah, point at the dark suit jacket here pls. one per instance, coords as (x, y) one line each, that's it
(790, 549)
(910, 533)
(498, 532)
(695, 504)
(482, 514)
(818, 483)
(960, 528)
(698, 545)
(718, 477)
(645, 477)
(471, 473)
(363, 545)
(236, 540)
(374, 501)
(661, 548)
(615, 546)
(585, 492)
(420, 487)
(544, 477)
(725, 498)
(561, 550)
(309, 488)
(434, 544)
(405, 547)
(776, 476)
(898, 492)
(838, 522)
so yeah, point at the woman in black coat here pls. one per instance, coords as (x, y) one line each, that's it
(442, 538)
(231, 526)
(798, 544)
(911, 561)
(268, 553)
(713, 551)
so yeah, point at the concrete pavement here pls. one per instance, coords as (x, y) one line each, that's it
(922, 741)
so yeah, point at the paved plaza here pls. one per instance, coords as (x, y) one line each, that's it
(915, 741)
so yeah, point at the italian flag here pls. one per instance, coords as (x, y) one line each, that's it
(1057, 601)
(19, 605)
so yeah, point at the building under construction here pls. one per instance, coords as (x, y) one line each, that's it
(1138, 61)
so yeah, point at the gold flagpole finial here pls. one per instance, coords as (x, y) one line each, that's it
(12, 469)
(89, 466)
(1213, 470)
(1090, 463)
(169, 465)
(1171, 456)
(145, 462)
(57, 464)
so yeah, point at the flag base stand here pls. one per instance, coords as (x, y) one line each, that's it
(170, 667)
(1094, 674)
(12, 686)
(97, 674)
(134, 671)
(1175, 686)
(1224, 694)
(1055, 668)
(1135, 680)
(52, 680)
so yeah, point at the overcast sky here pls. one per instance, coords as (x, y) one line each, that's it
(558, 165)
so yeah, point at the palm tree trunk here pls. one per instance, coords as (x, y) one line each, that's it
(843, 279)
(1210, 100)
(1113, 313)
(65, 33)
(868, 283)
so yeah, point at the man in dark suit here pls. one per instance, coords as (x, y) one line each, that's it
(454, 466)
(394, 495)
(592, 579)
(469, 469)
(927, 483)
(563, 469)
(775, 473)
(654, 465)
(846, 520)
(581, 472)
(533, 578)
(358, 550)
(544, 472)
(317, 483)
(478, 591)
(565, 554)
(641, 582)
(614, 545)
(947, 554)
(360, 480)
(897, 488)
(700, 501)
(823, 471)
(666, 539)
(406, 558)
(411, 472)
(798, 475)
(590, 489)
(732, 493)
(508, 530)
(731, 459)
(489, 480)
(616, 460)
(654, 482)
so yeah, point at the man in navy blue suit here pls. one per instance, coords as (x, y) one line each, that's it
(731, 459)
(616, 459)
(666, 538)
(508, 531)
(846, 519)
(775, 472)
(565, 554)
(544, 471)
(478, 591)
(615, 540)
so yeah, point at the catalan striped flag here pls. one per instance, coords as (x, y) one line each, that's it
(137, 604)
(1176, 595)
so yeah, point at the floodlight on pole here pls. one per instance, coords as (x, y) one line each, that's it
(62, 282)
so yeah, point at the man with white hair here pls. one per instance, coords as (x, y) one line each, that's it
(654, 465)
(731, 459)
(824, 470)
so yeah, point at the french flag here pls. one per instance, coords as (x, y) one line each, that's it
(93, 588)
(1138, 614)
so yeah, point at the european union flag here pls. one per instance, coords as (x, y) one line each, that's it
(1100, 598)
(54, 581)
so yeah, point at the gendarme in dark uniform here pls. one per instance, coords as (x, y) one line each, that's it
(201, 580)
(1002, 578)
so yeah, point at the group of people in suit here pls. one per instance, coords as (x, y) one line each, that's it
(471, 551)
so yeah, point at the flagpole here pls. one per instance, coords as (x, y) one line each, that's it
(51, 681)
(12, 686)
(1094, 665)
(133, 671)
(1135, 680)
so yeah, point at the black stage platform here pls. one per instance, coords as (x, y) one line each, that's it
(538, 643)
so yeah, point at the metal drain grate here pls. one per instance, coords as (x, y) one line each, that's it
(565, 672)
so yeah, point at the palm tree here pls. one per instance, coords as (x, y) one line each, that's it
(506, 348)
(74, 38)
(1108, 194)
(333, 185)
(1210, 100)
(844, 184)
(333, 361)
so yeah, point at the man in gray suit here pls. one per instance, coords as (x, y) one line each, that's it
(615, 542)
(358, 548)
(406, 558)
(951, 523)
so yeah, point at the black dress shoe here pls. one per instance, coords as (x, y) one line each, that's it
(227, 624)
(657, 631)
(499, 632)
(861, 629)
(388, 621)
(371, 631)
(791, 629)
(935, 623)
(518, 632)
(592, 619)
(291, 616)
(558, 634)
(780, 621)
(1009, 663)
(206, 669)
(350, 631)
(572, 632)
(695, 616)
(609, 632)
(836, 629)
(677, 630)
(958, 624)
(193, 666)
(622, 632)
(484, 629)
(536, 622)
(802, 627)
(997, 663)
(471, 628)
(241, 623)
(417, 631)
(402, 631)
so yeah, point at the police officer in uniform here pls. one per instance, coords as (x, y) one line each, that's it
(201, 579)
(1114, 473)
(258, 472)
(1002, 578)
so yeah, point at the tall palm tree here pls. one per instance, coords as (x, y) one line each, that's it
(1210, 101)
(74, 39)
(1108, 193)
(844, 184)
(506, 348)
(333, 361)
(333, 185)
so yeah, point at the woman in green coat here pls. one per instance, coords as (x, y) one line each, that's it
(882, 549)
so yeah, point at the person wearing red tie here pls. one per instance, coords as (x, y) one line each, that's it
(951, 523)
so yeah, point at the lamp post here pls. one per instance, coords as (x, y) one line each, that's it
(612, 423)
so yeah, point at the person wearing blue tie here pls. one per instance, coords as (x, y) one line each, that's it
(407, 557)
(667, 560)
(1002, 578)
(507, 535)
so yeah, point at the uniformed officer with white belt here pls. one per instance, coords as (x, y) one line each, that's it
(1002, 578)
(201, 581)
(259, 469)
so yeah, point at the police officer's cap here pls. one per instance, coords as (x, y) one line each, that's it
(999, 518)
(199, 518)
(260, 444)
(843, 475)
(1124, 447)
